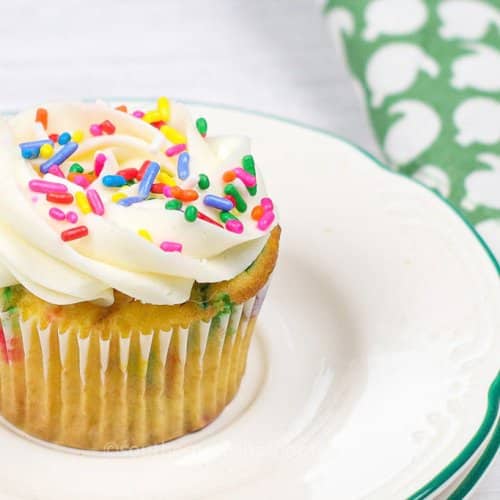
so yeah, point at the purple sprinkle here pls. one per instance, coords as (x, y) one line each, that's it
(72, 217)
(171, 246)
(57, 213)
(95, 129)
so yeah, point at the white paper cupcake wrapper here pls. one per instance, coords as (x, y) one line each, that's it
(122, 391)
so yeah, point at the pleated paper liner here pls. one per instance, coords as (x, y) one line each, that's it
(126, 391)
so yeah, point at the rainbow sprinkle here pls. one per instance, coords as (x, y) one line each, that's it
(171, 246)
(95, 202)
(183, 166)
(155, 180)
(74, 233)
(60, 157)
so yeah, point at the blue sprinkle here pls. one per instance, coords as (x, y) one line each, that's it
(183, 166)
(29, 153)
(64, 138)
(114, 180)
(148, 178)
(211, 200)
(58, 158)
(31, 150)
(36, 144)
(126, 202)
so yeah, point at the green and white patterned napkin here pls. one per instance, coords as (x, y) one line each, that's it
(429, 72)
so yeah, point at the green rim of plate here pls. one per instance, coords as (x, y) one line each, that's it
(493, 398)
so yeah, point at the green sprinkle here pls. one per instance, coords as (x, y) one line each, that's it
(248, 164)
(173, 205)
(191, 213)
(131, 182)
(76, 168)
(225, 216)
(202, 126)
(241, 205)
(203, 181)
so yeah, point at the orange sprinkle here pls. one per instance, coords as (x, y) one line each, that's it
(183, 194)
(42, 117)
(257, 212)
(122, 108)
(228, 176)
(176, 192)
(189, 195)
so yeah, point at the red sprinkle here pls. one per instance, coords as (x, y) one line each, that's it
(206, 218)
(42, 117)
(158, 124)
(142, 170)
(74, 233)
(54, 137)
(128, 173)
(157, 188)
(107, 127)
(62, 198)
(231, 199)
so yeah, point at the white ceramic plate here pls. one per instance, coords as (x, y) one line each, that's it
(369, 374)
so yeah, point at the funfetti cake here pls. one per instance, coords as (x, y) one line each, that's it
(135, 252)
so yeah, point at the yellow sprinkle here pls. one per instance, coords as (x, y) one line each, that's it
(46, 151)
(77, 136)
(173, 135)
(163, 105)
(152, 116)
(145, 234)
(82, 202)
(164, 178)
(118, 196)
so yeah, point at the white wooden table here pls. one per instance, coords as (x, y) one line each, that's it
(267, 55)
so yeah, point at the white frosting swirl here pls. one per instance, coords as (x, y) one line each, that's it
(114, 255)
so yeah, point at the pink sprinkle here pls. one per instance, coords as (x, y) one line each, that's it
(55, 170)
(57, 213)
(95, 129)
(175, 150)
(99, 162)
(167, 191)
(267, 204)
(138, 113)
(34, 199)
(72, 217)
(171, 246)
(234, 225)
(95, 202)
(39, 186)
(247, 179)
(81, 180)
(266, 220)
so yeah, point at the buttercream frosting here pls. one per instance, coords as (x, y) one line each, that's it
(115, 254)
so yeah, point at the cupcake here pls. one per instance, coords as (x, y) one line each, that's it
(135, 253)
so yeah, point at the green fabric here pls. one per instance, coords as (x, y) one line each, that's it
(429, 71)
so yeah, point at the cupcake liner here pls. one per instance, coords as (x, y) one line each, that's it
(124, 391)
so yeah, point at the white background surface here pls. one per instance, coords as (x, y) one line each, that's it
(268, 55)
